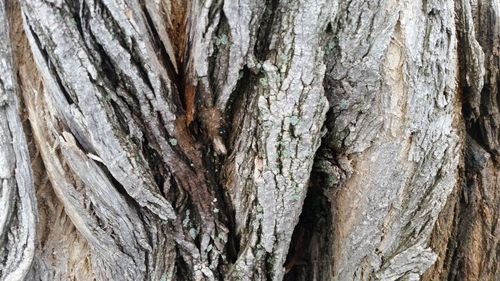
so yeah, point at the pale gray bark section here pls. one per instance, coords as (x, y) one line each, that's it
(391, 83)
(85, 112)
(243, 18)
(17, 198)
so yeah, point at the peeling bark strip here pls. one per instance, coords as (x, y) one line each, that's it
(17, 198)
(249, 140)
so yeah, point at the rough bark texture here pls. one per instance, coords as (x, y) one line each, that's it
(467, 233)
(17, 196)
(391, 128)
(249, 140)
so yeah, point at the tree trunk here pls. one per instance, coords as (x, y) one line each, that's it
(249, 140)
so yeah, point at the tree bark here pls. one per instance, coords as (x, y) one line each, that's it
(249, 140)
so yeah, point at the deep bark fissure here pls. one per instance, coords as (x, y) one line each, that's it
(472, 223)
(264, 34)
(311, 233)
(69, 98)
(160, 50)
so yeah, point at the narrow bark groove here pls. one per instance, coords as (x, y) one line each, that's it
(466, 236)
(17, 198)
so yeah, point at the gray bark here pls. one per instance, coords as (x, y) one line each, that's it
(249, 140)
(392, 96)
(17, 198)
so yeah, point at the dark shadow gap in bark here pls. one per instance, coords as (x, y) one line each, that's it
(213, 166)
(153, 158)
(218, 61)
(474, 125)
(454, 256)
(236, 100)
(75, 8)
(181, 272)
(120, 117)
(161, 52)
(310, 253)
(482, 126)
(310, 244)
(178, 79)
(235, 109)
(264, 33)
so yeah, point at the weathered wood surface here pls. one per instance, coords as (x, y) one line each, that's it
(467, 234)
(392, 98)
(249, 140)
(17, 194)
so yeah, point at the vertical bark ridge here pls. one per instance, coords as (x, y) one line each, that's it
(390, 134)
(58, 244)
(466, 236)
(236, 46)
(17, 195)
(271, 165)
